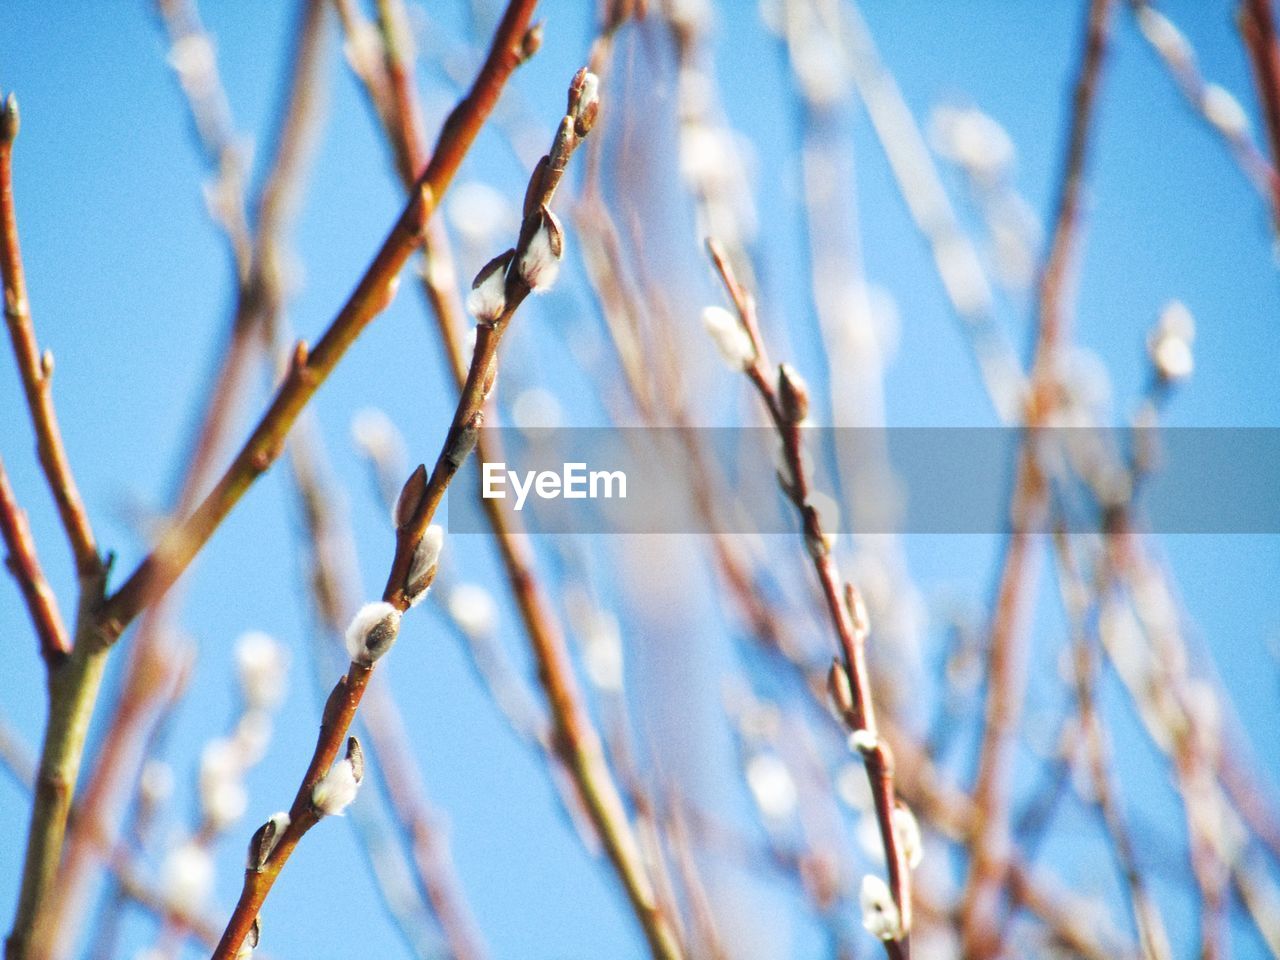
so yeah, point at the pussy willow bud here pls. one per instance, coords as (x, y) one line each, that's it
(731, 338)
(262, 665)
(531, 42)
(488, 297)
(1224, 111)
(1169, 344)
(264, 840)
(879, 913)
(426, 557)
(584, 101)
(10, 119)
(839, 689)
(335, 791)
(906, 829)
(410, 496)
(540, 262)
(464, 441)
(864, 741)
(372, 632)
(793, 394)
(857, 610)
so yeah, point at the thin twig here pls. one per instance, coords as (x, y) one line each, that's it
(23, 563)
(36, 369)
(416, 509)
(981, 913)
(786, 405)
(73, 680)
(259, 297)
(310, 367)
(333, 575)
(1258, 28)
(575, 742)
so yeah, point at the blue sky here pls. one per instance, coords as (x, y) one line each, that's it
(131, 287)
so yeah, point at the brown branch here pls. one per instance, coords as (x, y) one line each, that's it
(1085, 668)
(310, 367)
(72, 680)
(787, 405)
(333, 580)
(1178, 57)
(23, 563)
(258, 299)
(416, 509)
(36, 370)
(1258, 28)
(574, 740)
(981, 913)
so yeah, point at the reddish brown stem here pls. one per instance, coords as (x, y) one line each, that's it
(1258, 28)
(157, 573)
(35, 370)
(25, 567)
(982, 910)
(858, 710)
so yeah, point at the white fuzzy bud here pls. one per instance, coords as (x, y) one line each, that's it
(540, 262)
(376, 436)
(906, 830)
(479, 212)
(772, 786)
(587, 104)
(879, 913)
(731, 338)
(187, 877)
(863, 741)
(1224, 111)
(372, 631)
(336, 790)
(602, 653)
(488, 297)
(426, 557)
(262, 665)
(1169, 344)
(472, 609)
(1163, 35)
(155, 784)
(223, 798)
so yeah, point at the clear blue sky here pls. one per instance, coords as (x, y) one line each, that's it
(130, 288)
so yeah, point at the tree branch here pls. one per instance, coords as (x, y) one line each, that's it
(23, 563)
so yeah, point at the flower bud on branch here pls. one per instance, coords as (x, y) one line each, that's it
(540, 260)
(879, 913)
(336, 790)
(488, 297)
(264, 840)
(731, 338)
(372, 632)
(426, 558)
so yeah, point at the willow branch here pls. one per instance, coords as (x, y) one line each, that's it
(259, 294)
(72, 680)
(333, 575)
(786, 404)
(35, 369)
(1178, 56)
(981, 913)
(23, 563)
(310, 367)
(416, 509)
(1258, 28)
(575, 742)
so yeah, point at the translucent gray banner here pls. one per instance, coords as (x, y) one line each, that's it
(903, 480)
